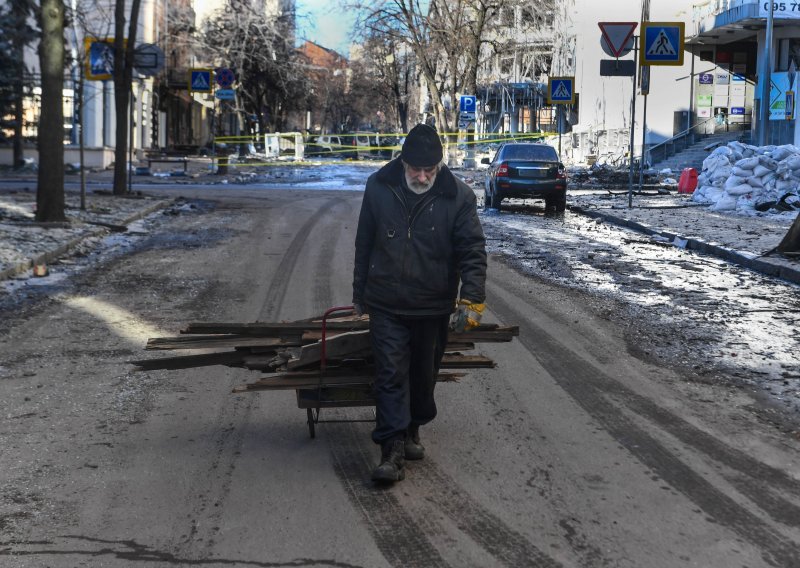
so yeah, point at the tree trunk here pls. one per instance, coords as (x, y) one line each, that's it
(50, 191)
(123, 74)
(19, 116)
(20, 15)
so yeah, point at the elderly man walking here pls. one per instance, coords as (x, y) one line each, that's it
(419, 247)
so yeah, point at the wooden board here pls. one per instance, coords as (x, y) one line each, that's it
(293, 381)
(214, 342)
(344, 344)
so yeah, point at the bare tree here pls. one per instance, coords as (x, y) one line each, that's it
(50, 190)
(270, 74)
(384, 78)
(450, 40)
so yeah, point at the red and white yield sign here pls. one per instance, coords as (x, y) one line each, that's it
(618, 36)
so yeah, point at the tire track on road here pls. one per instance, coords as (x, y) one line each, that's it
(396, 533)
(485, 528)
(398, 536)
(590, 387)
(283, 273)
(229, 438)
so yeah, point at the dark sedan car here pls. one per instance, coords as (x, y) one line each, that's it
(526, 171)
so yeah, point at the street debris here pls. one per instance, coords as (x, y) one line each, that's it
(304, 353)
(609, 177)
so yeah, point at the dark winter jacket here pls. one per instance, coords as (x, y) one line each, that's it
(410, 262)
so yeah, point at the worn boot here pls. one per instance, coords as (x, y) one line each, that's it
(413, 450)
(392, 463)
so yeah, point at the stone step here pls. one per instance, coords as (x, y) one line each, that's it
(694, 155)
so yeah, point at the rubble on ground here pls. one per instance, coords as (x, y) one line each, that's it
(606, 176)
(751, 179)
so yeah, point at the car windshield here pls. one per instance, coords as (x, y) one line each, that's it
(529, 152)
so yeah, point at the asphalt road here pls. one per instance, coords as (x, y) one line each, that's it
(575, 451)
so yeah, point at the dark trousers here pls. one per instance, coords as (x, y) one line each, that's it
(407, 354)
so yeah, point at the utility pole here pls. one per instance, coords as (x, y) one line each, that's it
(766, 82)
(633, 121)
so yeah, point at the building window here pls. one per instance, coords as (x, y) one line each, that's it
(788, 51)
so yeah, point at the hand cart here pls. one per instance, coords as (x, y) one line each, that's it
(315, 399)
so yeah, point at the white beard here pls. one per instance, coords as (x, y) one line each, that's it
(417, 187)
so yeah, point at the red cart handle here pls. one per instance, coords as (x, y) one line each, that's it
(322, 361)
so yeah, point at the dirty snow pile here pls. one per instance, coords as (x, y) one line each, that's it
(749, 178)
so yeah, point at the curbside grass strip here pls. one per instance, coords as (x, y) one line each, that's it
(764, 265)
(61, 250)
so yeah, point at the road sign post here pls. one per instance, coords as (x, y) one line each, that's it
(468, 107)
(99, 59)
(200, 80)
(561, 91)
(661, 43)
(617, 36)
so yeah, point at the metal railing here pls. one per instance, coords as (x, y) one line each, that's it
(677, 143)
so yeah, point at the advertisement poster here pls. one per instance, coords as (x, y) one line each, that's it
(777, 95)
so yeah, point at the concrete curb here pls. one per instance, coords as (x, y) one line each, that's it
(774, 267)
(61, 250)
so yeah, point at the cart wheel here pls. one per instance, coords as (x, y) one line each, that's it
(311, 429)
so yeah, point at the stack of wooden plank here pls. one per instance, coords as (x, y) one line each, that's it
(291, 353)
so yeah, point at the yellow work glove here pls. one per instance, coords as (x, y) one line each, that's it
(467, 316)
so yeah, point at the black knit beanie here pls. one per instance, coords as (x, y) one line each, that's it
(422, 147)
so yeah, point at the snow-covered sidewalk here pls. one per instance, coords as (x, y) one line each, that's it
(25, 243)
(743, 239)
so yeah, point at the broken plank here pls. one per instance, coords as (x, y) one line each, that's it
(276, 329)
(279, 329)
(459, 346)
(290, 381)
(478, 335)
(228, 358)
(213, 342)
(459, 361)
(345, 344)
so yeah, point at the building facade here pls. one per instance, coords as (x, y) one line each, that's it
(739, 53)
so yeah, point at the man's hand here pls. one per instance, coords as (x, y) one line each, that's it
(467, 316)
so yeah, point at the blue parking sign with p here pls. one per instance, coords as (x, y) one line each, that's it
(468, 103)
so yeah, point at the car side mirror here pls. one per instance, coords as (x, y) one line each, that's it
(486, 161)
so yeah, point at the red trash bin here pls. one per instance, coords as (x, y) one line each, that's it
(688, 181)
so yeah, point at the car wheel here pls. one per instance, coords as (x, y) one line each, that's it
(560, 202)
(490, 201)
(494, 201)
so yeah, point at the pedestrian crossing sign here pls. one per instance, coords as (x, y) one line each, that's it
(200, 80)
(561, 90)
(661, 43)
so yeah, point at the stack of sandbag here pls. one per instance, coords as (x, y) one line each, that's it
(747, 178)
